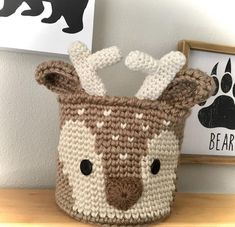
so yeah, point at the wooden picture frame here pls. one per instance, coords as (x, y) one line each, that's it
(186, 46)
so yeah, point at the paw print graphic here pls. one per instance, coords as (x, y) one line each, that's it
(221, 113)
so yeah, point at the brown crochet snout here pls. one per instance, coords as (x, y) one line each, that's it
(123, 193)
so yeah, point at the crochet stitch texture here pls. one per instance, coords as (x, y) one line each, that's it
(117, 155)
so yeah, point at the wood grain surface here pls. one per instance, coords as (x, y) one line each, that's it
(29, 207)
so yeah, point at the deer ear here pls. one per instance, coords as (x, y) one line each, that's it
(58, 76)
(189, 87)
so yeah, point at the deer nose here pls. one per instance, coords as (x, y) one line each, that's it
(123, 193)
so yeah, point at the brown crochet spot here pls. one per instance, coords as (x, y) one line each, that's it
(123, 193)
(51, 78)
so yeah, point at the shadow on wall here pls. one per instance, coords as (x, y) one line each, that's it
(154, 27)
(100, 28)
(206, 178)
(28, 135)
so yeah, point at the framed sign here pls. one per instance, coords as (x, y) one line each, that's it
(209, 135)
(45, 25)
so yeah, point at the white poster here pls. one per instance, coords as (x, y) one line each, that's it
(210, 129)
(45, 25)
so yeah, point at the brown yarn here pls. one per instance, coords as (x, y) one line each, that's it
(123, 193)
(123, 129)
(191, 86)
(58, 76)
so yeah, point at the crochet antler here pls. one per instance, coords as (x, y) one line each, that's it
(160, 72)
(87, 64)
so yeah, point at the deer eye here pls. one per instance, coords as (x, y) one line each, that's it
(155, 167)
(86, 167)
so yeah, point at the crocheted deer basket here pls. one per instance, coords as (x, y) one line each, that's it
(118, 155)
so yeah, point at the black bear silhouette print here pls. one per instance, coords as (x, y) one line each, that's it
(71, 10)
(221, 113)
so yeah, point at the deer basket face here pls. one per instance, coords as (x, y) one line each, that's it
(118, 156)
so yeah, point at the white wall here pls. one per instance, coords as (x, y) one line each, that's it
(29, 113)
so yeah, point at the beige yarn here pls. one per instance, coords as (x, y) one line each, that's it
(160, 72)
(129, 147)
(87, 64)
